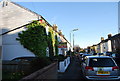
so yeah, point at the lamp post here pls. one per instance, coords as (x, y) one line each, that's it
(73, 36)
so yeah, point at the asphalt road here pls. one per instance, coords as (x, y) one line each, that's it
(73, 73)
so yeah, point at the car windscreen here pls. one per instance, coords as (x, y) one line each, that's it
(101, 62)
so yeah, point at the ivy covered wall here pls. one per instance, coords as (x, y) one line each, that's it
(36, 40)
(53, 42)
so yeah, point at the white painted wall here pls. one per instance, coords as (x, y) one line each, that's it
(68, 47)
(101, 47)
(98, 48)
(104, 47)
(109, 46)
(63, 65)
(13, 16)
(12, 51)
(10, 38)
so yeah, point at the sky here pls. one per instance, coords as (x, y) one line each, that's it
(93, 19)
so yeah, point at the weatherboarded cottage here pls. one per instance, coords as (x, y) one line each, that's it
(13, 19)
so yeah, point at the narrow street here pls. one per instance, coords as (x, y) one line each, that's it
(73, 73)
(37, 40)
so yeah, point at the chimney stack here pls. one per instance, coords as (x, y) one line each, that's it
(60, 32)
(55, 28)
(102, 38)
(109, 35)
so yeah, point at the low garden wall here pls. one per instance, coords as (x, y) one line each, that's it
(63, 65)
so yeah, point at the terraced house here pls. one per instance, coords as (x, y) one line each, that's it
(14, 19)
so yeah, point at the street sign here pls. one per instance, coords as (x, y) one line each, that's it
(62, 45)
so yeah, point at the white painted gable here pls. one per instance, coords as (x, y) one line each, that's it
(12, 16)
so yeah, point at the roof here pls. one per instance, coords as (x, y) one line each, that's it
(39, 16)
(14, 29)
(115, 36)
(98, 57)
(33, 13)
(25, 8)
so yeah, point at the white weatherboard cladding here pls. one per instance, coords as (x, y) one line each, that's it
(10, 38)
(12, 51)
(11, 17)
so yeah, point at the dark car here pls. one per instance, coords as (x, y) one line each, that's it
(107, 53)
(94, 53)
(100, 54)
(84, 56)
(116, 57)
(23, 59)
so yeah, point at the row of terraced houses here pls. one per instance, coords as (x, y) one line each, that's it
(111, 44)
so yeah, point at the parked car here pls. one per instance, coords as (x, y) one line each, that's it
(94, 54)
(107, 53)
(84, 56)
(100, 68)
(81, 54)
(116, 57)
(100, 54)
(23, 59)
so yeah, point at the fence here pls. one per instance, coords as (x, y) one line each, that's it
(64, 64)
(12, 66)
(48, 72)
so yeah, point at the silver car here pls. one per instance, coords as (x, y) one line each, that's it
(100, 68)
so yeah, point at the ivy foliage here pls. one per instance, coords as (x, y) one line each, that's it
(56, 45)
(52, 42)
(34, 38)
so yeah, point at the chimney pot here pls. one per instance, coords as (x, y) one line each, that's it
(55, 27)
(109, 35)
(60, 32)
(102, 38)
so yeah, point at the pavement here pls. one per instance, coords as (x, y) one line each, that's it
(73, 72)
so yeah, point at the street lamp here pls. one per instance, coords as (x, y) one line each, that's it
(73, 36)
